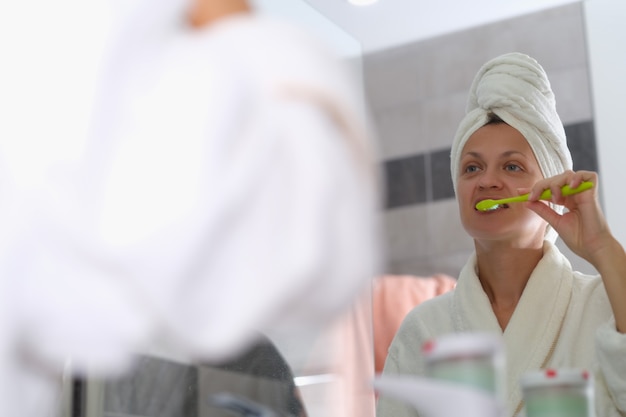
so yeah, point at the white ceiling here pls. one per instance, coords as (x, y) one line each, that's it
(389, 23)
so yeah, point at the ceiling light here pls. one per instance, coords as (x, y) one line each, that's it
(362, 2)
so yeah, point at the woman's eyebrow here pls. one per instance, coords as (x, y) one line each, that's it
(513, 152)
(505, 154)
(472, 154)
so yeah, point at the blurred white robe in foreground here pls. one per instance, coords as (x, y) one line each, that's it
(227, 186)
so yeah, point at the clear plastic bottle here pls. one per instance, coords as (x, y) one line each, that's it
(558, 393)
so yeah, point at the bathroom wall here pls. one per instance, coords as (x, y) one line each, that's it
(417, 95)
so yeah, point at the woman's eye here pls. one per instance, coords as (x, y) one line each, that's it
(512, 167)
(471, 168)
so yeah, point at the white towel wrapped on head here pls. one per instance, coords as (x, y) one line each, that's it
(516, 88)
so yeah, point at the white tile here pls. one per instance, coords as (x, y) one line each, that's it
(441, 118)
(407, 232)
(445, 232)
(451, 263)
(447, 263)
(419, 234)
(400, 130)
(573, 97)
(555, 37)
(501, 38)
(391, 78)
(447, 67)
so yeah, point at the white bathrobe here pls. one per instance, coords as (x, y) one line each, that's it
(563, 320)
(224, 184)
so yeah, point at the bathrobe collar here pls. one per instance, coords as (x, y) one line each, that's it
(534, 327)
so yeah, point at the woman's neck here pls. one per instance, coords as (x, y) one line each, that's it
(503, 272)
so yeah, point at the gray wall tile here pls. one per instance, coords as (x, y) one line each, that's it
(573, 94)
(400, 129)
(448, 64)
(441, 117)
(389, 84)
(445, 232)
(449, 263)
(555, 37)
(406, 235)
(582, 144)
(406, 181)
(440, 174)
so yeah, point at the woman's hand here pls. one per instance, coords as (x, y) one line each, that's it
(585, 231)
(582, 226)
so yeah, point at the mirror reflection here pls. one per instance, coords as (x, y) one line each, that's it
(416, 93)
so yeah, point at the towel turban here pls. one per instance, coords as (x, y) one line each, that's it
(516, 88)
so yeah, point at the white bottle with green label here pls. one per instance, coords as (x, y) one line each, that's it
(471, 359)
(557, 393)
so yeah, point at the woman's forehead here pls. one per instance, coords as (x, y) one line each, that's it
(496, 138)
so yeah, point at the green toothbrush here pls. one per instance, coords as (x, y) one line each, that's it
(486, 205)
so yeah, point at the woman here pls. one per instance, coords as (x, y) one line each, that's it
(223, 189)
(517, 283)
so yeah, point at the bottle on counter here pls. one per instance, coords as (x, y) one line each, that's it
(472, 359)
(558, 393)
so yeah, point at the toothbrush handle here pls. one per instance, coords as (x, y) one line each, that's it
(567, 190)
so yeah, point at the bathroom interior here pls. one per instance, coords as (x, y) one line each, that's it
(414, 86)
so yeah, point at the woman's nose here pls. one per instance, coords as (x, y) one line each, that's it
(490, 179)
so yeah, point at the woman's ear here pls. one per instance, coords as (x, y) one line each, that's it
(205, 12)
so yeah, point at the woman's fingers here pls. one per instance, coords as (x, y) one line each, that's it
(556, 183)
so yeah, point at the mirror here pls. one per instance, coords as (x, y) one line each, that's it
(416, 94)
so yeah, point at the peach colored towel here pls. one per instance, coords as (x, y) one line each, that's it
(393, 296)
(354, 347)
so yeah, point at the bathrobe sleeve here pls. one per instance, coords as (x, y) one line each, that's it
(224, 189)
(611, 351)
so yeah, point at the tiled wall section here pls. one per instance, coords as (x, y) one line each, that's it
(417, 92)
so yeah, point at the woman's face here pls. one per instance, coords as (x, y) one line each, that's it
(497, 161)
